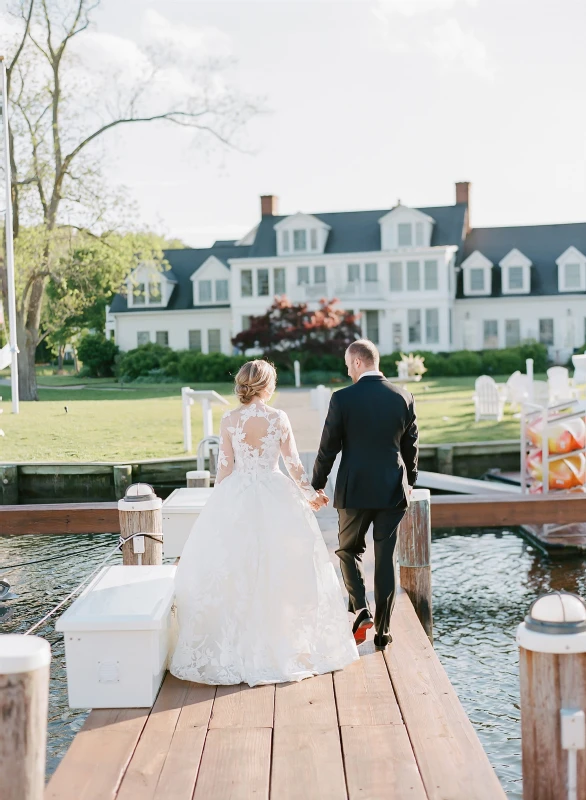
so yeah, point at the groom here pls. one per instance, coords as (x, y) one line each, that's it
(373, 423)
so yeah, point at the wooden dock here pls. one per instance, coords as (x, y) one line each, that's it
(389, 726)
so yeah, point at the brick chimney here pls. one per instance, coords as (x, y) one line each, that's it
(269, 205)
(463, 196)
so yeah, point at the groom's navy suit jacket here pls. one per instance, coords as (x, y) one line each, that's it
(373, 423)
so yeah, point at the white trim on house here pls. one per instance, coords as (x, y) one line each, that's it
(301, 234)
(571, 271)
(213, 272)
(147, 275)
(405, 228)
(510, 265)
(476, 261)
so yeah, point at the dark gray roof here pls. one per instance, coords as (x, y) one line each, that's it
(542, 244)
(183, 263)
(359, 231)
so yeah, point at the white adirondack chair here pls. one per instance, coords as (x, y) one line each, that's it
(579, 362)
(540, 393)
(518, 389)
(489, 399)
(560, 386)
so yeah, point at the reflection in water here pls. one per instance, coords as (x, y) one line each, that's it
(483, 584)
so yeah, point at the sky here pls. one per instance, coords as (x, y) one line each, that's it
(363, 103)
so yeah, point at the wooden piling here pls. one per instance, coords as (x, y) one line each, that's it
(140, 511)
(122, 479)
(414, 556)
(198, 479)
(8, 484)
(24, 701)
(445, 459)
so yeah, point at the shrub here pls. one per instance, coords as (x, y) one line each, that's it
(140, 361)
(98, 355)
(195, 367)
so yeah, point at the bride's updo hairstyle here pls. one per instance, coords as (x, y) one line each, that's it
(252, 378)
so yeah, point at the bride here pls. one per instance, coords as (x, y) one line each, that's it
(257, 596)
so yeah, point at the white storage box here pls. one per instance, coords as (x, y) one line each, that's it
(118, 635)
(180, 511)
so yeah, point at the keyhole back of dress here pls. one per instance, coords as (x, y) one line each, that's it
(255, 432)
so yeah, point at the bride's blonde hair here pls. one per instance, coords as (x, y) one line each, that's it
(252, 378)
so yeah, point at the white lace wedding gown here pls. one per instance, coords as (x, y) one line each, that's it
(258, 600)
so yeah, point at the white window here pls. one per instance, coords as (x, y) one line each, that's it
(195, 341)
(404, 234)
(430, 276)
(546, 332)
(572, 276)
(419, 234)
(138, 294)
(245, 322)
(353, 273)
(142, 337)
(280, 281)
(313, 238)
(413, 280)
(477, 279)
(155, 295)
(302, 276)
(299, 241)
(285, 241)
(515, 278)
(205, 291)
(491, 334)
(515, 272)
(414, 325)
(512, 332)
(162, 338)
(262, 282)
(214, 341)
(432, 326)
(371, 273)
(246, 283)
(396, 276)
(221, 291)
(372, 329)
(397, 336)
(319, 275)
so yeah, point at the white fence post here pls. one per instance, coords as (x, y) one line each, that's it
(529, 366)
(297, 370)
(186, 402)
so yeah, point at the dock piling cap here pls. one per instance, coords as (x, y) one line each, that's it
(139, 497)
(556, 623)
(20, 653)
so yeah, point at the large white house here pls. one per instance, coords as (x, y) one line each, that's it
(420, 278)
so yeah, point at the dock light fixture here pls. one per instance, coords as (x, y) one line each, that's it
(556, 623)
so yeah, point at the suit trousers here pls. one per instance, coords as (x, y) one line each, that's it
(353, 525)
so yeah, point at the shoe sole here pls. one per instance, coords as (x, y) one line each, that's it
(360, 633)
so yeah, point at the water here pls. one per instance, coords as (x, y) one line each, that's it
(484, 582)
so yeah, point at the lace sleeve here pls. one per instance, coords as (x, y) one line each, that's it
(292, 460)
(226, 453)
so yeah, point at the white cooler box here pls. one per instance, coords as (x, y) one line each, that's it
(180, 511)
(118, 636)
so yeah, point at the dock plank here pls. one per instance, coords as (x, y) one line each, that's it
(98, 757)
(307, 764)
(450, 757)
(236, 765)
(380, 763)
(364, 693)
(243, 707)
(142, 776)
(309, 702)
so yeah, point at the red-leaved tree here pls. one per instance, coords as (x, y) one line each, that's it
(292, 331)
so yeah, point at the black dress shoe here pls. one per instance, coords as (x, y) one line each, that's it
(381, 642)
(362, 623)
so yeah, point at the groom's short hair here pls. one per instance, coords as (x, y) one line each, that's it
(365, 350)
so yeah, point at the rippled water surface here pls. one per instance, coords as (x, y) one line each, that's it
(484, 581)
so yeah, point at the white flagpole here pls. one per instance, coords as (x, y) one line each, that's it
(9, 241)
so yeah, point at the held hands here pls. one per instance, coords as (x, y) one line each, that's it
(321, 500)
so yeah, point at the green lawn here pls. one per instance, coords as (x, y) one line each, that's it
(106, 422)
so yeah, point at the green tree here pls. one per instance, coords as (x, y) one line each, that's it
(59, 115)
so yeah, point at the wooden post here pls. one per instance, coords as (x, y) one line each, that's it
(140, 511)
(198, 478)
(414, 555)
(122, 479)
(8, 484)
(24, 701)
(552, 670)
(445, 459)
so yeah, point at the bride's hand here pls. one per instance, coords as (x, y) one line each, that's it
(321, 500)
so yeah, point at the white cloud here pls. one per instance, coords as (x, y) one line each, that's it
(187, 41)
(454, 46)
(411, 8)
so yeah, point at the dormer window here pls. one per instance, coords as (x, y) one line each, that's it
(404, 234)
(477, 270)
(211, 283)
(155, 293)
(301, 233)
(139, 294)
(515, 273)
(405, 227)
(148, 286)
(205, 291)
(571, 271)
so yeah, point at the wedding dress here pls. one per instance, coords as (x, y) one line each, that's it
(258, 600)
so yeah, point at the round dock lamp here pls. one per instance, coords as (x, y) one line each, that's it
(552, 666)
(140, 512)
